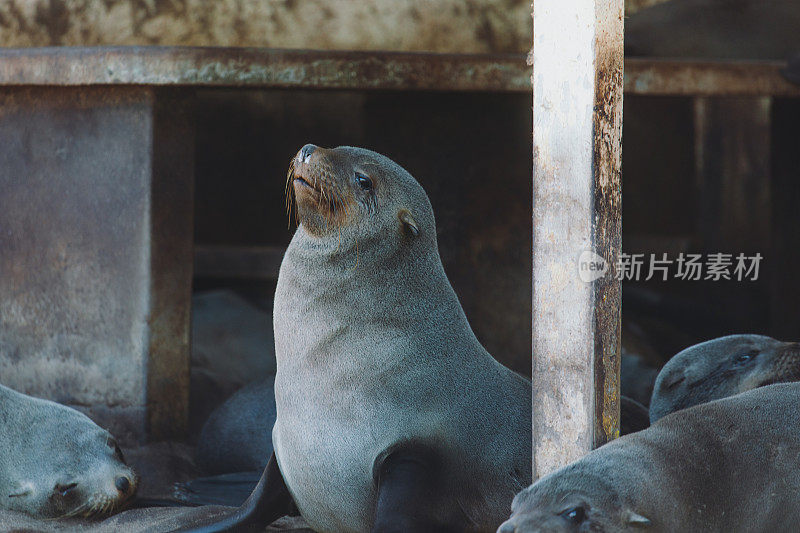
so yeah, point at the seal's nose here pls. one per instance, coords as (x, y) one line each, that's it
(123, 484)
(306, 151)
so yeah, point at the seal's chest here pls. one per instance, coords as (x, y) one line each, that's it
(328, 469)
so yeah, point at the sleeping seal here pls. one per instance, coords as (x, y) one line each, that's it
(55, 462)
(391, 416)
(722, 367)
(728, 465)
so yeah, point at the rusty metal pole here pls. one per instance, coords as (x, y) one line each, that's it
(577, 63)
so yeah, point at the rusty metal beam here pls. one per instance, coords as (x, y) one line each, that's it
(260, 67)
(577, 213)
(263, 67)
(659, 77)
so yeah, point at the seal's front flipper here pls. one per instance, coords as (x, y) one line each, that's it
(269, 501)
(410, 492)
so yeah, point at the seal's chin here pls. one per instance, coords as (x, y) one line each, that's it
(319, 206)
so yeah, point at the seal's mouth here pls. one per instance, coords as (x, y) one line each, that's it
(314, 191)
(310, 187)
(303, 182)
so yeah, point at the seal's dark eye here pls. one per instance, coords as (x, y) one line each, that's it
(575, 515)
(745, 357)
(363, 181)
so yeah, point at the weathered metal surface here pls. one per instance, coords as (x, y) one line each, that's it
(86, 295)
(706, 78)
(171, 254)
(577, 121)
(263, 67)
(245, 262)
(732, 160)
(606, 222)
(410, 25)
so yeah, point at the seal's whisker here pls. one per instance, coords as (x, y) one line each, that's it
(81, 508)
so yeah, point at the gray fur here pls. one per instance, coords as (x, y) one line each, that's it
(374, 349)
(44, 444)
(719, 368)
(729, 465)
(238, 435)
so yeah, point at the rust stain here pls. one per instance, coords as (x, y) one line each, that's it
(260, 67)
(607, 223)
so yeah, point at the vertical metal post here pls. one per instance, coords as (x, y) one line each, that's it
(577, 130)
(96, 252)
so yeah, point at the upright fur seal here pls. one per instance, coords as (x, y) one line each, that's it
(391, 415)
(55, 462)
(728, 465)
(722, 367)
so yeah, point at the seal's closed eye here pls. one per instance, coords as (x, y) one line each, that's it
(672, 380)
(743, 359)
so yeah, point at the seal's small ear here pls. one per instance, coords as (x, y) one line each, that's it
(636, 520)
(408, 221)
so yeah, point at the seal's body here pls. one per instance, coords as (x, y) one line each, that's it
(237, 437)
(374, 351)
(722, 367)
(728, 465)
(391, 416)
(55, 462)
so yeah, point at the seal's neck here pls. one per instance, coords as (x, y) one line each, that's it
(327, 301)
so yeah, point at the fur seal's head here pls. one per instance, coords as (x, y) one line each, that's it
(575, 498)
(62, 464)
(720, 368)
(348, 196)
